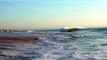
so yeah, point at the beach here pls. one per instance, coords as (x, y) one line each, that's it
(17, 39)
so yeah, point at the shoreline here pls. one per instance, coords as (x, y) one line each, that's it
(17, 39)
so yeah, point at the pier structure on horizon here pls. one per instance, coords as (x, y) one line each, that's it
(7, 30)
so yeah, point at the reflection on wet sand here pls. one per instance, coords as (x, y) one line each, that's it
(18, 51)
(16, 48)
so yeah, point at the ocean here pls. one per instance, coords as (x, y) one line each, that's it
(84, 44)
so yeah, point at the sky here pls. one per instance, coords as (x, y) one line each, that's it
(49, 14)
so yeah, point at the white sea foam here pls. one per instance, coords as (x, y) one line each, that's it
(29, 31)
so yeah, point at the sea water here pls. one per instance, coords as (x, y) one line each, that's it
(84, 44)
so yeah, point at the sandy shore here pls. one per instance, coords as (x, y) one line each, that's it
(17, 39)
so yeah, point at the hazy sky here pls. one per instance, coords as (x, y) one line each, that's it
(42, 14)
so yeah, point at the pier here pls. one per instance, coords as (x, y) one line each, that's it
(7, 30)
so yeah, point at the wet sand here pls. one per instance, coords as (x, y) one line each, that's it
(17, 39)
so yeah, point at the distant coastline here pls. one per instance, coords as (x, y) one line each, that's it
(7, 30)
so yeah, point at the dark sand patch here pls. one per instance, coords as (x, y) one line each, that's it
(17, 39)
